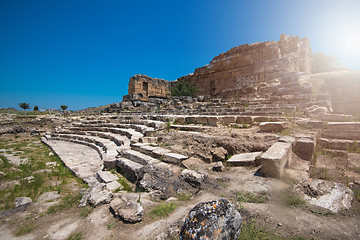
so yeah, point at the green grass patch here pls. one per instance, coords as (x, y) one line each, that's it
(86, 211)
(260, 197)
(67, 202)
(126, 186)
(293, 200)
(163, 209)
(75, 236)
(184, 197)
(25, 230)
(249, 231)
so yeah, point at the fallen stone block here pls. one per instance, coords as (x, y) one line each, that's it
(191, 163)
(127, 208)
(218, 154)
(304, 148)
(106, 176)
(217, 167)
(275, 159)
(272, 126)
(192, 177)
(323, 142)
(214, 220)
(244, 159)
(330, 195)
(114, 185)
(174, 158)
(98, 195)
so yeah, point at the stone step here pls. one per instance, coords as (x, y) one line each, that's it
(190, 128)
(106, 177)
(339, 144)
(244, 159)
(160, 153)
(107, 146)
(138, 157)
(98, 149)
(130, 169)
(130, 133)
(147, 131)
(341, 134)
(343, 125)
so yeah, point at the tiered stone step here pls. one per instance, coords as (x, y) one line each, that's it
(132, 160)
(145, 130)
(108, 146)
(130, 133)
(341, 136)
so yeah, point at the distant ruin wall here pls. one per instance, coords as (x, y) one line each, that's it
(141, 87)
(242, 66)
(248, 65)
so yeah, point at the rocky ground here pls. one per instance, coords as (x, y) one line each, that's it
(271, 208)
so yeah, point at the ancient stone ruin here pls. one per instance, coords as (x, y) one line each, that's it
(235, 70)
(264, 139)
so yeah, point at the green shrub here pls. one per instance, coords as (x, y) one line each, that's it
(181, 88)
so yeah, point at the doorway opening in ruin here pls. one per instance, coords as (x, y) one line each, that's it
(145, 88)
(212, 88)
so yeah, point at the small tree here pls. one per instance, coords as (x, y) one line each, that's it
(36, 108)
(63, 108)
(182, 88)
(24, 106)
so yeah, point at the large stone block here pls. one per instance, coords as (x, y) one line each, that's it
(275, 159)
(244, 159)
(304, 148)
(272, 126)
(341, 125)
(106, 176)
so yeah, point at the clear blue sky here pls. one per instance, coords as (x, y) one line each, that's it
(82, 53)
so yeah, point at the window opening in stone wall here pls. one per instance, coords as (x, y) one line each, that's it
(212, 88)
(145, 88)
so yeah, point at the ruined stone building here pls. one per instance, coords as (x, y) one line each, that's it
(242, 66)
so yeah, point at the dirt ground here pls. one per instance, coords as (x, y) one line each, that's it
(272, 215)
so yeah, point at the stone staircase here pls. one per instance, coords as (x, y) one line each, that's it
(343, 136)
(119, 141)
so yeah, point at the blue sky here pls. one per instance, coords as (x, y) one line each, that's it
(82, 53)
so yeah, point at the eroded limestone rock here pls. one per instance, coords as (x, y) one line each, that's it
(126, 207)
(212, 220)
(330, 195)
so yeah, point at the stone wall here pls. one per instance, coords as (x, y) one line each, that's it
(141, 87)
(242, 66)
(248, 65)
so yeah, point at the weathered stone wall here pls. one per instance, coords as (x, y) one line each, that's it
(248, 65)
(240, 67)
(141, 87)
